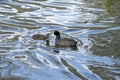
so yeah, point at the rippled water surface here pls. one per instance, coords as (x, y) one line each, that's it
(94, 24)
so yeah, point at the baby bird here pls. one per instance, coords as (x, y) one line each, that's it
(40, 37)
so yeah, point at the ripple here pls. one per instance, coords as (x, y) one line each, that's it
(7, 9)
(29, 6)
(86, 21)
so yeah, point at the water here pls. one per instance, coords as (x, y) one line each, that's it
(95, 24)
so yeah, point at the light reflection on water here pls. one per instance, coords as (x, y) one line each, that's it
(22, 58)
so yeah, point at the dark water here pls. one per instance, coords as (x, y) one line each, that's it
(94, 22)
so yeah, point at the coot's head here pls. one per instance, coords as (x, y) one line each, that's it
(56, 33)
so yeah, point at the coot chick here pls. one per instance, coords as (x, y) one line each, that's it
(40, 37)
(65, 42)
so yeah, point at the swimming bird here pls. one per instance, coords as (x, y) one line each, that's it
(41, 37)
(65, 42)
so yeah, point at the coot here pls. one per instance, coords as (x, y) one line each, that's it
(65, 42)
(40, 37)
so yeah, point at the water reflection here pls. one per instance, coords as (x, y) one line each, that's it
(73, 70)
(13, 78)
(106, 44)
(6, 67)
(104, 73)
(87, 21)
(112, 7)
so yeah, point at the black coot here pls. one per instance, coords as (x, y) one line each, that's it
(65, 42)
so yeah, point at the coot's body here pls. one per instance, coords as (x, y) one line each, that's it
(65, 42)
